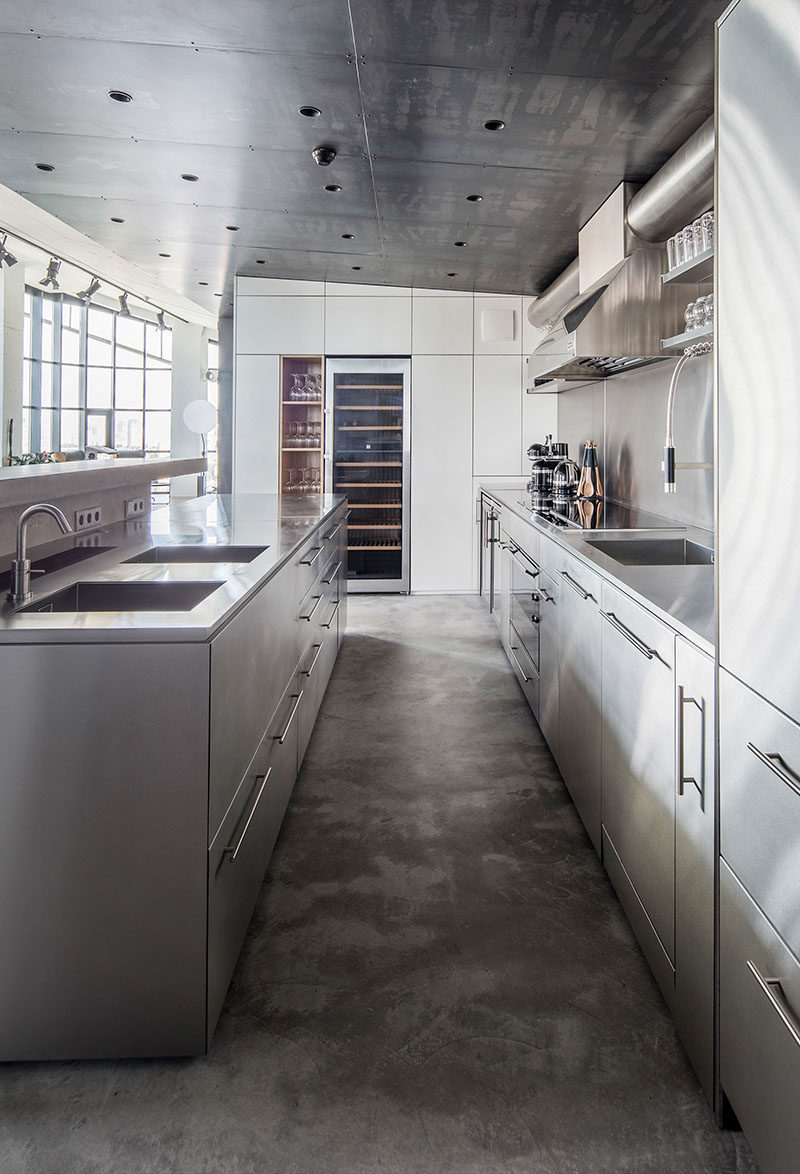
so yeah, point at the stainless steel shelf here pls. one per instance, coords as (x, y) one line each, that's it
(691, 272)
(688, 336)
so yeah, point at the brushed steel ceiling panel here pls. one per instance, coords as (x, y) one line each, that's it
(625, 39)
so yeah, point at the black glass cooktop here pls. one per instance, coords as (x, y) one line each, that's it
(599, 515)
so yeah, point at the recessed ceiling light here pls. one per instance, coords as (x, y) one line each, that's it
(219, 295)
(120, 96)
(495, 124)
(261, 260)
(45, 166)
(117, 220)
(309, 111)
(460, 244)
(332, 187)
(452, 275)
(232, 227)
(202, 283)
(348, 236)
(189, 177)
(356, 267)
(474, 199)
(165, 254)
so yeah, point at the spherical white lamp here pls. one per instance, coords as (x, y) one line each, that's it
(200, 417)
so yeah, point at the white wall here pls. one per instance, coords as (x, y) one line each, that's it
(470, 415)
(12, 295)
(189, 363)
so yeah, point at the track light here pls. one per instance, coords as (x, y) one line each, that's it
(161, 321)
(6, 258)
(124, 312)
(50, 277)
(87, 294)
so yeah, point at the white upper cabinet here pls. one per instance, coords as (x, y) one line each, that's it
(498, 415)
(263, 287)
(367, 325)
(442, 326)
(498, 325)
(441, 477)
(255, 424)
(279, 325)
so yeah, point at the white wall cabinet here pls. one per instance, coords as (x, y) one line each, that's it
(256, 423)
(280, 325)
(441, 473)
(498, 415)
(442, 326)
(367, 325)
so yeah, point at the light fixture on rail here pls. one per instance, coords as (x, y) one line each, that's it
(51, 277)
(6, 258)
(161, 321)
(87, 294)
(123, 311)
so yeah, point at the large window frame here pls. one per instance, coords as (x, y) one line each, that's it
(94, 378)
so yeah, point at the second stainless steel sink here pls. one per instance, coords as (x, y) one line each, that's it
(198, 554)
(105, 596)
(654, 552)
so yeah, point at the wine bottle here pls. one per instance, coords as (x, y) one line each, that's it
(590, 484)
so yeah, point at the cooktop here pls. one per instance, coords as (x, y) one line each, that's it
(599, 515)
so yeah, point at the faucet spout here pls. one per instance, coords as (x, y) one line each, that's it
(21, 566)
(669, 466)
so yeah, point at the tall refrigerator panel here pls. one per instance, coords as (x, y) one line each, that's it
(368, 458)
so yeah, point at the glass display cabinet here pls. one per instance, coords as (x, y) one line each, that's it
(302, 429)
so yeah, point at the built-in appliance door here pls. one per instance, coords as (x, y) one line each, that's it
(490, 536)
(525, 602)
(367, 457)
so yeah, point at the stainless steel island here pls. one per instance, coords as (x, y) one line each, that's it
(149, 750)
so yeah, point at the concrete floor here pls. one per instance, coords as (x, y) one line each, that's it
(438, 977)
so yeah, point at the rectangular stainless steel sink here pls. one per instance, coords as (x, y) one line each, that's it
(654, 552)
(104, 596)
(198, 554)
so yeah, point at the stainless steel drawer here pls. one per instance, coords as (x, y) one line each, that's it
(759, 1028)
(522, 534)
(310, 560)
(315, 672)
(759, 792)
(524, 668)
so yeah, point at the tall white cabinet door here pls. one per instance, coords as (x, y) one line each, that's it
(368, 326)
(442, 326)
(256, 422)
(498, 415)
(279, 325)
(441, 473)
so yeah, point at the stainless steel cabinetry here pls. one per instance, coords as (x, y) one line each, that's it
(579, 689)
(637, 772)
(490, 514)
(695, 809)
(549, 610)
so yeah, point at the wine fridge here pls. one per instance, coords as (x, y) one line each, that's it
(367, 457)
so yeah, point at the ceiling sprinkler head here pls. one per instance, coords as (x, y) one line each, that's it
(324, 156)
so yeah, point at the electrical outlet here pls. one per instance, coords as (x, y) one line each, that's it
(134, 507)
(87, 519)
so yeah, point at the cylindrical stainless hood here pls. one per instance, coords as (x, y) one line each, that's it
(550, 305)
(679, 192)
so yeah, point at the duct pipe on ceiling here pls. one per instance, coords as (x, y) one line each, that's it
(679, 192)
(550, 305)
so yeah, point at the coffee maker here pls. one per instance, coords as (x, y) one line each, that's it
(554, 477)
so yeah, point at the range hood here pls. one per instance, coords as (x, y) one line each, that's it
(623, 310)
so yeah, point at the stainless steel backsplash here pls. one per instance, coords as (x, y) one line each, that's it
(625, 417)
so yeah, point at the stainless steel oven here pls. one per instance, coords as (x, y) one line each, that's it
(524, 612)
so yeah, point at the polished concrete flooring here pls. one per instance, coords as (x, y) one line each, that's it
(438, 977)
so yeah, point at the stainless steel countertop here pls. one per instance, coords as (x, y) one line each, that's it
(279, 523)
(683, 596)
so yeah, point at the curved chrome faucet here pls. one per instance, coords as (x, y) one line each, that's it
(699, 348)
(21, 566)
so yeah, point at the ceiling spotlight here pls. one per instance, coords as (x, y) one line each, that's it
(45, 167)
(87, 294)
(165, 254)
(309, 111)
(123, 311)
(460, 244)
(324, 156)
(495, 124)
(120, 96)
(332, 187)
(53, 266)
(116, 220)
(232, 227)
(474, 199)
(189, 177)
(6, 258)
(161, 321)
(348, 236)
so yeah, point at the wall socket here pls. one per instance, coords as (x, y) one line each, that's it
(133, 507)
(87, 519)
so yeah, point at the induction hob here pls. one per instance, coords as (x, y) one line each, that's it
(599, 515)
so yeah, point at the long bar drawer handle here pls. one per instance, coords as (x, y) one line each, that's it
(638, 644)
(683, 779)
(575, 586)
(234, 848)
(545, 596)
(327, 582)
(314, 608)
(777, 765)
(336, 607)
(519, 553)
(281, 738)
(512, 649)
(774, 991)
(309, 562)
(333, 533)
(307, 672)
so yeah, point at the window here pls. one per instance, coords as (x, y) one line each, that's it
(212, 439)
(94, 378)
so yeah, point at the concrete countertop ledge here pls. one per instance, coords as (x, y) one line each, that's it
(21, 484)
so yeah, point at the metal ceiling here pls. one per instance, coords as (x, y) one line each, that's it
(591, 93)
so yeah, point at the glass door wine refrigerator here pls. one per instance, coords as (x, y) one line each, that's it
(367, 457)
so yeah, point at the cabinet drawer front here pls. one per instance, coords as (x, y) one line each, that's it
(576, 576)
(524, 668)
(759, 1028)
(759, 796)
(310, 560)
(315, 672)
(521, 533)
(647, 632)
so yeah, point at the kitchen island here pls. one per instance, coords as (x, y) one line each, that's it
(149, 752)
